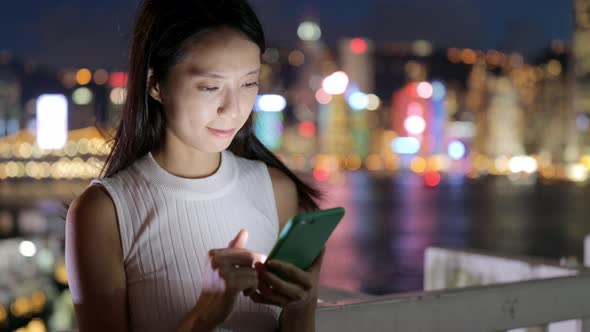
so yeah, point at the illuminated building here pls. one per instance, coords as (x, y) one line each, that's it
(580, 79)
(505, 121)
(10, 96)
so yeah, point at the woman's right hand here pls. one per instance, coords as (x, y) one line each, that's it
(229, 272)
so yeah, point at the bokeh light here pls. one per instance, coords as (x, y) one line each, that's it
(83, 76)
(424, 90)
(270, 103)
(309, 31)
(336, 83)
(82, 96)
(358, 46)
(415, 124)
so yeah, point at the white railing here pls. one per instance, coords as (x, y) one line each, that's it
(502, 293)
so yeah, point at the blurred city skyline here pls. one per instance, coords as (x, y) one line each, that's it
(70, 34)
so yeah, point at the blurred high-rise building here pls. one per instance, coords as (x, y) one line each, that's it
(580, 79)
(10, 97)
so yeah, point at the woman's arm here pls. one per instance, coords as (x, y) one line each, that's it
(94, 261)
(286, 198)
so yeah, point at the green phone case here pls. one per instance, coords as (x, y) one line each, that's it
(304, 236)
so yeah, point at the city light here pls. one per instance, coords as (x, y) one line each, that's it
(554, 67)
(118, 79)
(307, 129)
(358, 46)
(270, 103)
(101, 77)
(526, 164)
(268, 127)
(358, 101)
(438, 91)
(82, 96)
(52, 121)
(468, 56)
(415, 108)
(336, 83)
(582, 122)
(296, 58)
(432, 179)
(83, 76)
(321, 174)
(577, 173)
(309, 31)
(373, 102)
(424, 90)
(118, 96)
(323, 97)
(415, 124)
(271, 55)
(27, 248)
(422, 48)
(456, 150)
(405, 145)
(418, 165)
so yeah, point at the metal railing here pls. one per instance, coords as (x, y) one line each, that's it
(501, 293)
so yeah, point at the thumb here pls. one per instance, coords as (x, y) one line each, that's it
(240, 240)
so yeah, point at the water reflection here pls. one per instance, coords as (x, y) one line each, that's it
(379, 247)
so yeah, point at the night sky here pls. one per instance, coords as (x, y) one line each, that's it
(75, 33)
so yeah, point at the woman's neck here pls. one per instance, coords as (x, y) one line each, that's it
(184, 161)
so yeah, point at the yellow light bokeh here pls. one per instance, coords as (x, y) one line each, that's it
(374, 162)
(3, 313)
(83, 76)
(418, 165)
(391, 162)
(353, 162)
(22, 306)
(38, 300)
(60, 273)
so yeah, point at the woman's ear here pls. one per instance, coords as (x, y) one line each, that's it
(153, 86)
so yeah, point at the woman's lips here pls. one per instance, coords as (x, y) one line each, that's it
(222, 132)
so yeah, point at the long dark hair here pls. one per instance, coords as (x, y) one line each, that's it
(164, 29)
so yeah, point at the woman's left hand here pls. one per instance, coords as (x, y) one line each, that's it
(300, 289)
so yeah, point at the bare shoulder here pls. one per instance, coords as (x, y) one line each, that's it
(93, 211)
(94, 199)
(94, 262)
(92, 232)
(285, 192)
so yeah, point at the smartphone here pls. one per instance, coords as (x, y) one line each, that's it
(304, 236)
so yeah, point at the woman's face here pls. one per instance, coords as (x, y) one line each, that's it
(209, 95)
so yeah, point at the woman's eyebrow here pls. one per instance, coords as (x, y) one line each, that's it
(197, 72)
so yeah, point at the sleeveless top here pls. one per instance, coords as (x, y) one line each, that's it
(168, 224)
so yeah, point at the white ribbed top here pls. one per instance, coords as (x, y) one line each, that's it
(168, 225)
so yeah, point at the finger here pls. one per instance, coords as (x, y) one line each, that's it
(239, 257)
(227, 272)
(279, 286)
(240, 240)
(262, 299)
(237, 284)
(293, 273)
(272, 295)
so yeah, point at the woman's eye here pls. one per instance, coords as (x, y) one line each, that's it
(208, 88)
(251, 85)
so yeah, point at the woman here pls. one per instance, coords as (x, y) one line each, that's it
(152, 245)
